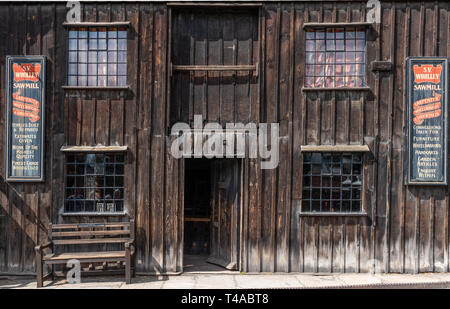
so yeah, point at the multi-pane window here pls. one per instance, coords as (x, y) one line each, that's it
(94, 182)
(335, 57)
(332, 182)
(97, 56)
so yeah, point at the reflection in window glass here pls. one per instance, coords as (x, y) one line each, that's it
(97, 56)
(94, 182)
(332, 182)
(335, 57)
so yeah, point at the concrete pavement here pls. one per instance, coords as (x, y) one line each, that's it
(234, 280)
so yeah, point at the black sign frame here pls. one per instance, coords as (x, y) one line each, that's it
(409, 98)
(10, 60)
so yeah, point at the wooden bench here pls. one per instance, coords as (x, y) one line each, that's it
(86, 234)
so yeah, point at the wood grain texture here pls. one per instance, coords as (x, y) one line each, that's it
(405, 229)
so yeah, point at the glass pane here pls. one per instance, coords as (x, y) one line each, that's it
(122, 44)
(112, 81)
(112, 44)
(73, 44)
(122, 56)
(122, 69)
(92, 56)
(73, 56)
(112, 56)
(121, 80)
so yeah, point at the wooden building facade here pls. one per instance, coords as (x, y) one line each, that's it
(257, 221)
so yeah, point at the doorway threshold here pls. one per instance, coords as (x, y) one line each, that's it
(196, 264)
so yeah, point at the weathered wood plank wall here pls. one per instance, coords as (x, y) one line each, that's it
(407, 227)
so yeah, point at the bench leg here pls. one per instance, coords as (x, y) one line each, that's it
(128, 272)
(39, 274)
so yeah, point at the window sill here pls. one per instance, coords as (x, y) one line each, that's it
(307, 89)
(94, 148)
(97, 24)
(106, 88)
(333, 214)
(93, 214)
(314, 25)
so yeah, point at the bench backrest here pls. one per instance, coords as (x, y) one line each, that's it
(91, 233)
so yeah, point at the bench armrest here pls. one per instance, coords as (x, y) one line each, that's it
(129, 246)
(39, 248)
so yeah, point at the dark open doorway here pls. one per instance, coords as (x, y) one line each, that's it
(211, 214)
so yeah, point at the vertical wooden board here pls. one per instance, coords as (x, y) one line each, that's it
(180, 215)
(88, 120)
(243, 35)
(270, 176)
(170, 211)
(411, 230)
(159, 62)
(144, 27)
(351, 248)
(16, 201)
(284, 116)
(356, 118)
(15, 243)
(414, 13)
(309, 245)
(397, 189)
(48, 34)
(102, 122)
(440, 251)
(297, 138)
(4, 223)
(200, 51)
(254, 225)
(143, 185)
(117, 118)
(313, 108)
(325, 120)
(104, 12)
(59, 121)
(4, 207)
(339, 245)
(365, 249)
(341, 119)
(89, 12)
(157, 203)
(118, 12)
(214, 57)
(227, 80)
(425, 231)
(30, 222)
(131, 161)
(325, 245)
(282, 204)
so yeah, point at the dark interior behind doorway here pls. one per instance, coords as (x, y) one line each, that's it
(197, 206)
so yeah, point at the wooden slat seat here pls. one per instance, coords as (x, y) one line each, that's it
(83, 234)
(85, 255)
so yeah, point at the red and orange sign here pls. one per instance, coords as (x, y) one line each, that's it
(427, 73)
(26, 72)
(427, 108)
(25, 107)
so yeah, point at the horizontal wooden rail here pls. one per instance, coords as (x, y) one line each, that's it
(314, 25)
(221, 68)
(91, 233)
(334, 148)
(88, 225)
(98, 24)
(90, 241)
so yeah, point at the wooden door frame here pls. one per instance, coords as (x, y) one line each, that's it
(239, 210)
